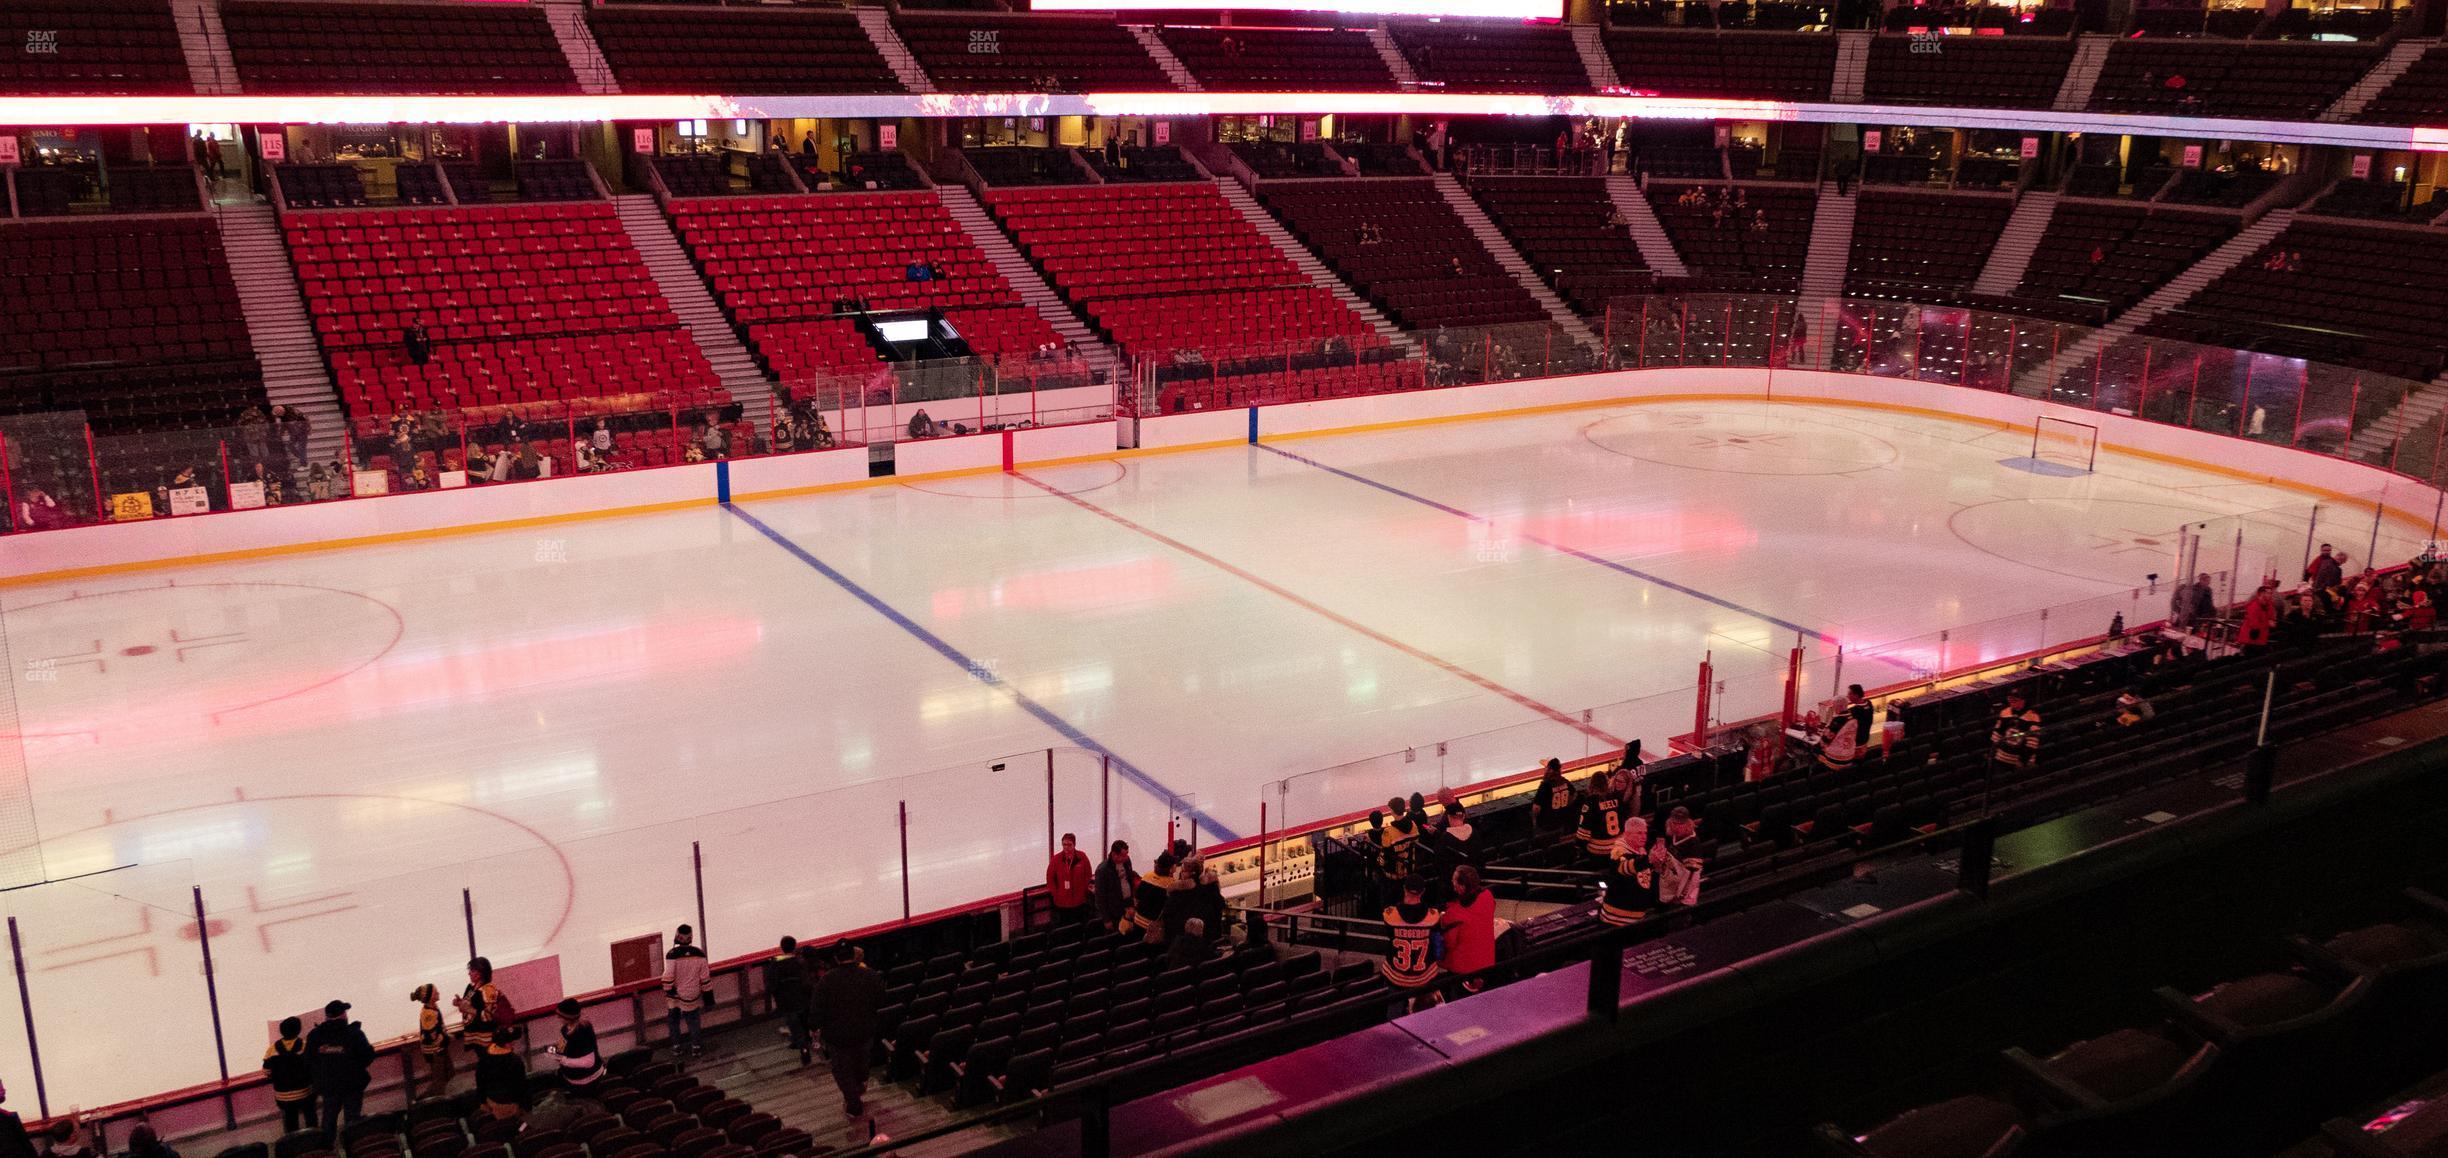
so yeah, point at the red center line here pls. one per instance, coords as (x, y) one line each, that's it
(1448, 667)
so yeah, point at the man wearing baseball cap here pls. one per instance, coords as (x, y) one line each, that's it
(342, 1059)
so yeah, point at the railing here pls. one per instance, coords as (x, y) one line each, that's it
(57, 470)
(113, 953)
(2328, 409)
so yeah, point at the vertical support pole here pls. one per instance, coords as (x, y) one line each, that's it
(1916, 354)
(1942, 652)
(467, 914)
(225, 483)
(93, 466)
(1487, 357)
(1105, 806)
(1700, 714)
(1836, 684)
(1640, 353)
(1725, 347)
(1683, 333)
(8, 486)
(1547, 352)
(2437, 500)
(25, 1002)
(2244, 412)
(212, 1001)
(1793, 689)
(1262, 851)
(905, 884)
(1049, 802)
(2193, 400)
(2311, 532)
(2235, 568)
(705, 940)
(2303, 386)
(2371, 555)
(1606, 361)
(2099, 359)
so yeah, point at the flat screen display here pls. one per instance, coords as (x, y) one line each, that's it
(904, 330)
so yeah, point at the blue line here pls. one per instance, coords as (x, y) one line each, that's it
(1208, 825)
(1575, 552)
(722, 481)
(1253, 426)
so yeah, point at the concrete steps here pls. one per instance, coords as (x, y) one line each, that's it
(1311, 266)
(2090, 51)
(1024, 278)
(2374, 443)
(1500, 247)
(1391, 53)
(1174, 69)
(1591, 47)
(2179, 290)
(568, 20)
(1852, 65)
(2011, 257)
(2401, 56)
(206, 46)
(1641, 218)
(277, 323)
(897, 56)
(642, 217)
(1823, 266)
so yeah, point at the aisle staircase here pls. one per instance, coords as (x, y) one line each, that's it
(1656, 248)
(1391, 53)
(642, 217)
(1823, 267)
(2179, 290)
(206, 46)
(1594, 59)
(2374, 442)
(1315, 269)
(568, 20)
(2401, 56)
(878, 23)
(1852, 66)
(1174, 69)
(1501, 248)
(277, 323)
(2011, 257)
(1024, 278)
(2090, 52)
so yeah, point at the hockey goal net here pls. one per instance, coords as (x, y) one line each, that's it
(2063, 443)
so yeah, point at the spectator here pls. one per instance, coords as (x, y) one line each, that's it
(2204, 608)
(66, 1139)
(844, 1006)
(581, 1063)
(2014, 740)
(602, 438)
(1678, 884)
(1683, 835)
(1629, 881)
(1190, 947)
(501, 1075)
(433, 1042)
(2260, 615)
(13, 1140)
(1601, 820)
(921, 426)
(1149, 896)
(685, 975)
(1469, 926)
(1114, 883)
(1551, 804)
(1454, 838)
(1071, 880)
(416, 342)
(295, 427)
(38, 511)
(783, 438)
(1410, 964)
(786, 982)
(2326, 571)
(143, 1142)
(292, 1076)
(807, 144)
(481, 1007)
(340, 1056)
(2132, 709)
(1848, 732)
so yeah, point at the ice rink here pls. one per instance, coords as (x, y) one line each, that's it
(346, 751)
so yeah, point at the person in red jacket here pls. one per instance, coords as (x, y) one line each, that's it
(2260, 615)
(1469, 925)
(1071, 879)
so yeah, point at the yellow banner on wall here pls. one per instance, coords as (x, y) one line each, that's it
(137, 505)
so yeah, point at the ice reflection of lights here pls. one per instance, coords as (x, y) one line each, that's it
(979, 696)
(190, 840)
